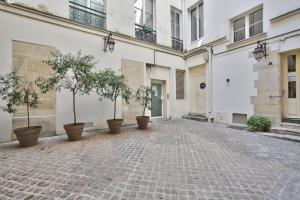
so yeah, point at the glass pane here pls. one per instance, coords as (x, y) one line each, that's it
(177, 21)
(98, 5)
(255, 29)
(172, 17)
(194, 24)
(138, 4)
(149, 20)
(173, 30)
(149, 6)
(138, 16)
(201, 20)
(239, 24)
(292, 63)
(292, 89)
(81, 2)
(177, 31)
(256, 17)
(292, 76)
(239, 35)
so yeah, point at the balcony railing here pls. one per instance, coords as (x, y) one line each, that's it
(87, 16)
(177, 44)
(145, 34)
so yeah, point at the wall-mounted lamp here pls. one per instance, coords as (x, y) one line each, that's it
(260, 51)
(109, 43)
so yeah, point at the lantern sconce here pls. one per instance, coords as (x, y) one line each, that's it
(109, 43)
(260, 51)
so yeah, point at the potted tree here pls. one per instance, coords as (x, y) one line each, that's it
(143, 96)
(73, 73)
(112, 85)
(16, 91)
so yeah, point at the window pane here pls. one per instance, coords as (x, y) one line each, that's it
(138, 16)
(172, 17)
(201, 20)
(194, 24)
(256, 17)
(239, 24)
(179, 84)
(97, 5)
(292, 76)
(149, 6)
(149, 20)
(239, 35)
(138, 4)
(81, 2)
(255, 29)
(177, 31)
(177, 19)
(292, 63)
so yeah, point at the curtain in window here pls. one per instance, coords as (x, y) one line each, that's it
(149, 13)
(201, 21)
(175, 24)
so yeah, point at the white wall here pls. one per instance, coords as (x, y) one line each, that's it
(56, 7)
(69, 40)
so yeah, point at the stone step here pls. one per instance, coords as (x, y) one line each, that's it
(285, 131)
(196, 118)
(291, 120)
(197, 114)
(290, 126)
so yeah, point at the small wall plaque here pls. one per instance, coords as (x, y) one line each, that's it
(202, 85)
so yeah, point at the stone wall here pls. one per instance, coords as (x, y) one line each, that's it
(28, 58)
(268, 101)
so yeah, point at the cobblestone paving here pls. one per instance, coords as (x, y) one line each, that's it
(174, 160)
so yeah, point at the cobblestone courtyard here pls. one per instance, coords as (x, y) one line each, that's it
(176, 159)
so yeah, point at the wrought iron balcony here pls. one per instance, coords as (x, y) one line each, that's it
(177, 44)
(87, 16)
(145, 34)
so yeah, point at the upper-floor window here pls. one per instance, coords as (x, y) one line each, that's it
(89, 12)
(248, 25)
(144, 13)
(197, 22)
(175, 23)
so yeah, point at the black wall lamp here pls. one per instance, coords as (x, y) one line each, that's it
(260, 51)
(109, 43)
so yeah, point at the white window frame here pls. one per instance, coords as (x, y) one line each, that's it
(247, 23)
(177, 12)
(144, 13)
(88, 5)
(198, 25)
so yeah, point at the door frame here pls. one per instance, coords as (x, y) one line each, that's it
(284, 76)
(162, 96)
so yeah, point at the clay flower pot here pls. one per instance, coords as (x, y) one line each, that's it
(28, 136)
(142, 122)
(115, 125)
(73, 131)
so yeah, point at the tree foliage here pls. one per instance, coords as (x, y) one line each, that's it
(70, 72)
(15, 90)
(143, 96)
(111, 85)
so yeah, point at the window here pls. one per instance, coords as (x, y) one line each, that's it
(197, 23)
(89, 12)
(175, 24)
(180, 84)
(292, 76)
(144, 13)
(248, 25)
(239, 29)
(256, 23)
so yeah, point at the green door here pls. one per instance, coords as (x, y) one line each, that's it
(156, 100)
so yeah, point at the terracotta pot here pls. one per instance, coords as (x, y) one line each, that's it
(142, 122)
(73, 131)
(28, 136)
(115, 125)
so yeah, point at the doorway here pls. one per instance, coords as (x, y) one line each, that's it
(157, 99)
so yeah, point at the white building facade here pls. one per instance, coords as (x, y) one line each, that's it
(197, 55)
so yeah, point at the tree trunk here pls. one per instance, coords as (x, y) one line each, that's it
(115, 107)
(144, 110)
(74, 108)
(28, 118)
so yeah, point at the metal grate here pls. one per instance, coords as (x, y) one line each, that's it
(177, 44)
(145, 34)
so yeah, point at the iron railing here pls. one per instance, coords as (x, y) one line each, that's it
(145, 34)
(87, 16)
(177, 44)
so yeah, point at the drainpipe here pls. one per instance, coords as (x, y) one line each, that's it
(210, 84)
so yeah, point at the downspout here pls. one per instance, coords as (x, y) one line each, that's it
(210, 84)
